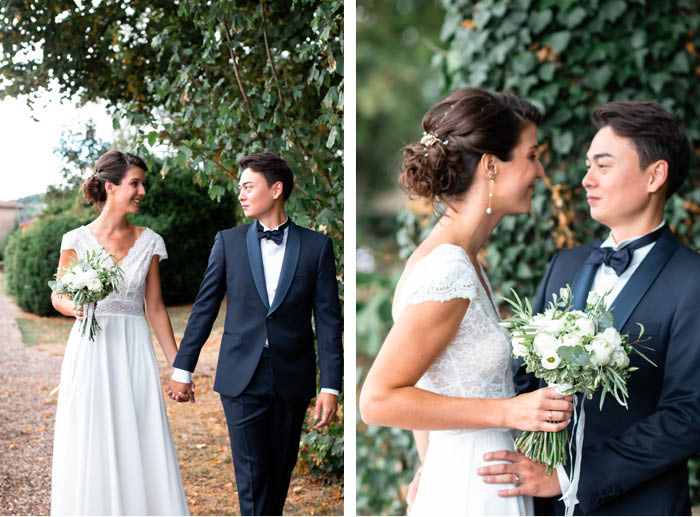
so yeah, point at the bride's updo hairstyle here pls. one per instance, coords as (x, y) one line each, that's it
(112, 167)
(457, 132)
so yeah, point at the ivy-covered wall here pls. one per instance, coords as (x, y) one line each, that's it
(567, 57)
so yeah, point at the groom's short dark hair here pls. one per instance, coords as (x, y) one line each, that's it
(656, 135)
(273, 168)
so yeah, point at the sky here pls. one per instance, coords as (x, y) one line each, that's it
(28, 164)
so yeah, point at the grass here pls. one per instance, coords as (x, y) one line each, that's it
(199, 430)
(43, 331)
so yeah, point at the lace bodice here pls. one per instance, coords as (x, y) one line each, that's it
(476, 363)
(128, 299)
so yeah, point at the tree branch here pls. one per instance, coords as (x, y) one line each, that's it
(297, 142)
(246, 100)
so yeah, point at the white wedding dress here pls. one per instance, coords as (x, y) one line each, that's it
(475, 364)
(113, 450)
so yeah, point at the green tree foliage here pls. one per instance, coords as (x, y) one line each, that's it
(210, 81)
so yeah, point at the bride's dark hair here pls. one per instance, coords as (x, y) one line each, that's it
(112, 167)
(458, 131)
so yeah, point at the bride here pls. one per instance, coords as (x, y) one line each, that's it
(445, 366)
(113, 451)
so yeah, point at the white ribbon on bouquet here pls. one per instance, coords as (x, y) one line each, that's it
(570, 496)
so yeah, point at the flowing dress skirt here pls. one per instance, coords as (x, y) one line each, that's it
(113, 450)
(449, 484)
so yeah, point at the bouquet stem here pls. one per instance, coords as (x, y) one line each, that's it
(89, 314)
(544, 447)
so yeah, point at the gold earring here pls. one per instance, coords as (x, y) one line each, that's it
(492, 177)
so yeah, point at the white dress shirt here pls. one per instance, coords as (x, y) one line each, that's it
(272, 258)
(606, 279)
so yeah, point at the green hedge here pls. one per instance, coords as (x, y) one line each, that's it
(175, 207)
(188, 219)
(31, 258)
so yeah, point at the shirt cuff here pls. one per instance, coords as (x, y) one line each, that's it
(181, 376)
(564, 482)
(331, 391)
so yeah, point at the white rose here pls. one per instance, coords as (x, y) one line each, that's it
(612, 336)
(519, 348)
(546, 344)
(572, 339)
(538, 321)
(602, 351)
(551, 361)
(79, 280)
(554, 326)
(593, 298)
(620, 358)
(94, 285)
(586, 326)
(68, 279)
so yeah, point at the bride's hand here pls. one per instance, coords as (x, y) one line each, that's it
(78, 312)
(541, 410)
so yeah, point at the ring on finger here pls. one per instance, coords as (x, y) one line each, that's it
(550, 414)
(517, 479)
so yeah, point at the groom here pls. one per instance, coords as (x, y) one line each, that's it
(275, 274)
(633, 461)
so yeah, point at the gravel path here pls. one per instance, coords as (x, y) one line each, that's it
(26, 419)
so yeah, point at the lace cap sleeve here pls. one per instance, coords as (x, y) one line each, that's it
(159, 248)
(70, 241)
(443, 275)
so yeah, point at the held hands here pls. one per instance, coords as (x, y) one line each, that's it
(326, 406)
(541, 410)
(529, 477)
(180, 391)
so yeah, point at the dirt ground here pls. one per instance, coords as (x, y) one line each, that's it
(31, 349)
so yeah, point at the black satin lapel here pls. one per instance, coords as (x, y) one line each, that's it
(289, 265)
(643, 277)
(256, 264)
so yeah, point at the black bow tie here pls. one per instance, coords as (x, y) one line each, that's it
(620, 259)
(275, 236)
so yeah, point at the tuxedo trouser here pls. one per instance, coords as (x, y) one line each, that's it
(264, 431)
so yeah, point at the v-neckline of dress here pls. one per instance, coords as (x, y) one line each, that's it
(121, 261)
(481, 275)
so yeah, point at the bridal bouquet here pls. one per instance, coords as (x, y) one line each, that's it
(578, 351)
(88, 281)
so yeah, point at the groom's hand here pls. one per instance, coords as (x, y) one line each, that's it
(533, 477)
(180, 391)
(326, 406)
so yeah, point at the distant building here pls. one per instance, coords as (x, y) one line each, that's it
(8, 215)
(26, 224)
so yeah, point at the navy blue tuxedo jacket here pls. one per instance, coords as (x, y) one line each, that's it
(634, 460)
(307, 285)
